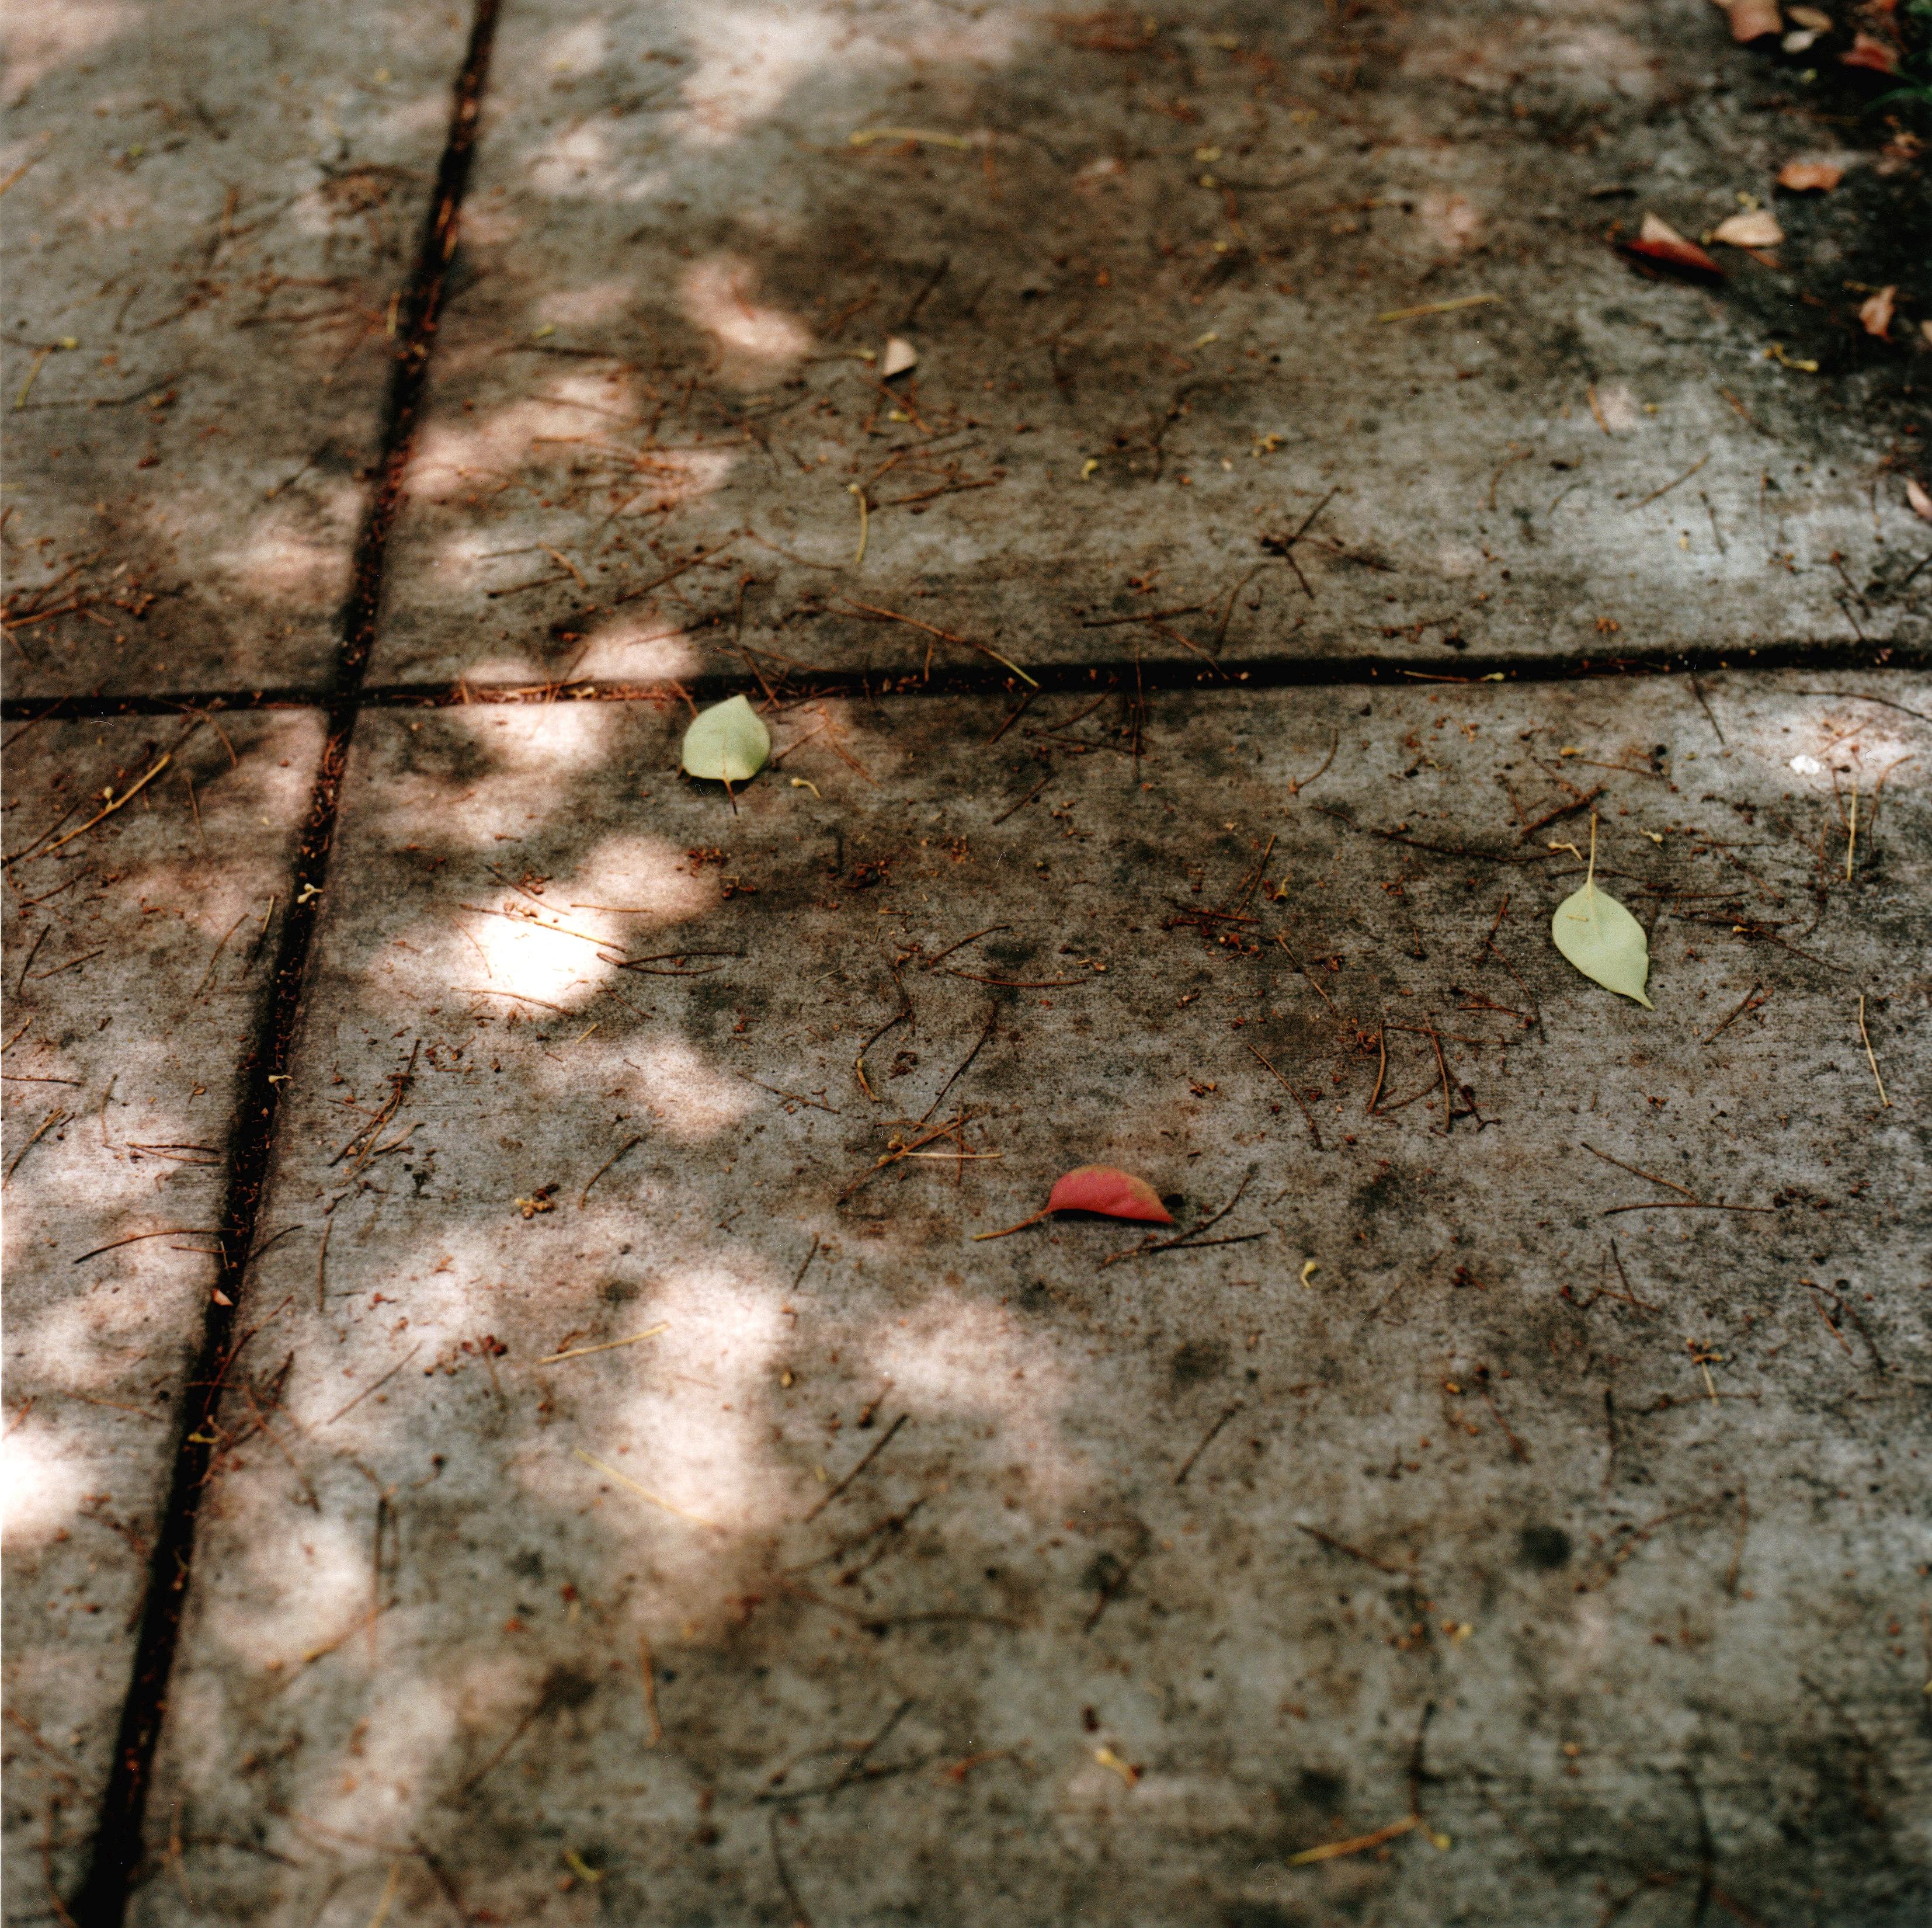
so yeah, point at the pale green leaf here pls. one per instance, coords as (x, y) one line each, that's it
(1604, 941)
(728, 743)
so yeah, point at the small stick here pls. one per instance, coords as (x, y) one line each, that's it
(1852, 841)
(33, 951)
(643, 1493)
(382, 1913)
(1208, 1440)
(1567, 810)
(879, 1446)
(1313, 1132)
(859, 554)
(1690, 1205)
(84, 957)
(1442, 1065)
(375, 1384)
(605, 1167)
(1296, 786)
(1254, 880)
(1866, 1036)
(1330, 1851)
(166, 1232)
(1516, 1447)
(961, 943)
(1013, 716)
(944, 635)
(209, 976)
(1633, 1171)
(141, 783)
(194, 804)
(1026, 799)
(1003, 983)
(1328, 1540)
(858, 1062)
(647, 1675)
(1304, 970)
(992, 1019)
(1046, 1212)
(1188, 1238)
(47, 1124)
(608, 1345)
(796, 1097)
(321, 1267)
(1736, 1015)
(800, 1918)
(1669, 486)
(1618, 1258)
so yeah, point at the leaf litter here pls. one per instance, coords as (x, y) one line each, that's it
(1102, 1188)
(727, 743)
(1600, 937)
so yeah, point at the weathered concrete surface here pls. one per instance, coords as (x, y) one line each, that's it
(1147, 266)
(215, 208)
(1479, 1435)
(135, 979)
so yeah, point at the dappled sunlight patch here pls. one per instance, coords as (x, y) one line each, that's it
(560, 950)
(1822, 752)
(44, 1481)
(397, 1763)
(573, 409)
(586, 160)
(303, 1581)
(687, 1424)
(1619, 407)
(1451, 221)
(1458, 559)
(688, 1094)
(278, 563)
(757, 339)
(748, 59)
(42, 33)
(427, 113)
(640, 649)
(956, 1355)
(89, 1343)
(587, 306)
(637, 877)
(524, 959)
(557, 742)
(581, 48)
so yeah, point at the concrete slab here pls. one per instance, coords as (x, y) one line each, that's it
(210, 209)
(1178, 292)
(135, 970)
(651, 1500)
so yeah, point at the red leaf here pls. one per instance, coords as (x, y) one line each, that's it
(1102, 1188)
(1658, 241)
(1869, 51)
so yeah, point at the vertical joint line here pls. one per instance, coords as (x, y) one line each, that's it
(102, 1900)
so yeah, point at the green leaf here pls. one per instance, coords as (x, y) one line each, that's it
(728, 743)
(1604, 941)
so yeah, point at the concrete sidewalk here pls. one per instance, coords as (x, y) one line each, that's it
(510, 1416)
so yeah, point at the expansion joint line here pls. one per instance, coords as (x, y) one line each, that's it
(1233, 675)
(117, 1860)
